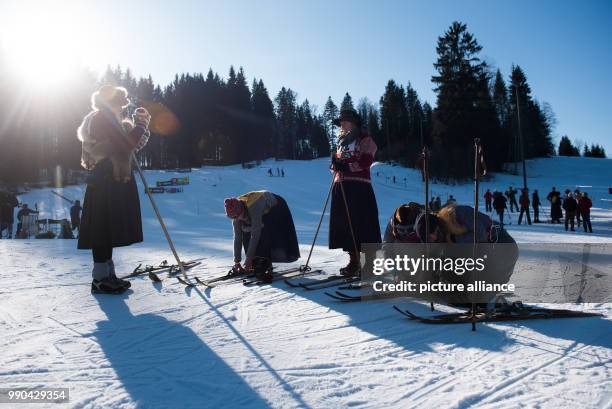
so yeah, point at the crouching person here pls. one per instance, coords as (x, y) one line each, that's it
(400, 228)
(263, 225)
(455, 224)
(111, 208)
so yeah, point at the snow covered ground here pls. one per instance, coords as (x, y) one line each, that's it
(165, 346)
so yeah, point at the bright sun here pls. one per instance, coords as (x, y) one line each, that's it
(41, 45)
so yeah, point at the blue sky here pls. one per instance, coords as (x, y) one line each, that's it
(321, 48)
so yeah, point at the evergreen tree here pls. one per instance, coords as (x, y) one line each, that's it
(427, 123)
(500, 98)
(265, 125)
(330, 112)
(373, 123)
(363, 109)
(459, 87)
(537, 141)
(595, 151)
(566, 148)
(415, 138)
(347, 102)
(303, 128)
(393, 122)
(286, 110)
(318, 138)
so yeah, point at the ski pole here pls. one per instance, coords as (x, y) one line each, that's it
(425, 158)
(159, 217)
(348, 216)
(306, 267)
(63, 197)
(479, 169)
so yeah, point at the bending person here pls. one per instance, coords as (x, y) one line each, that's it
(263, 225)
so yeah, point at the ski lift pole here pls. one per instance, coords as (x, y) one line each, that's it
(159, 217)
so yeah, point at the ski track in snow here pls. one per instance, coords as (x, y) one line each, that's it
(167, 346)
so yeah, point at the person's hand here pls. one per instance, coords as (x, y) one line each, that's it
(142, 117)
(339, 166)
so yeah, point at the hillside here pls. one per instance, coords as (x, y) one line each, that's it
(162, 346)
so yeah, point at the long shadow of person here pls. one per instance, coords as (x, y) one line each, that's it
(380, 320)
(163, 364)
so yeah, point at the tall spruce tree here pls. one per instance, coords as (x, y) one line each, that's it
(286, 109)
(347, 102)
(393, 123)
(330, 112)
(566, 148)
(459, 87)
(535, 129)
(265, 121)
(415, 138)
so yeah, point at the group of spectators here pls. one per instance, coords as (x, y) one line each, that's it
(577, 206)
(8, 203)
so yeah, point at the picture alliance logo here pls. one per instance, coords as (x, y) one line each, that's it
(412, 265)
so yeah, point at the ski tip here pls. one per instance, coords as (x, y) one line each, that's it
(185, 283)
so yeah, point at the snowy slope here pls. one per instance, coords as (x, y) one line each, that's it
(170, 347)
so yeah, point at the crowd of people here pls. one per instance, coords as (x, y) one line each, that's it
(280, 172)
(8, 203)
(577, 206)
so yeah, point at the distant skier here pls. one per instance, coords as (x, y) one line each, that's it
(282, 172)
(451, 201)
(570, 206)
(270, 172)
(23, 212)
(585, 205)
(511, 195)
(535, 202)
(352, 191)
(577, 196)
(437, 204)
(263, 225)
(554, 197)
(524, 202)
(75, 215)
(488, 197)
(111, 208)
(500, 206)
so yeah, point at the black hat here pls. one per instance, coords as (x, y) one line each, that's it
(348, 115)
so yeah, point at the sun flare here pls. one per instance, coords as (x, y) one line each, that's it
(41, 46)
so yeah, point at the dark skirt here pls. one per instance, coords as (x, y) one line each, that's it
(556, 212)
(363, 212)
(111, 211)
(278, 241)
